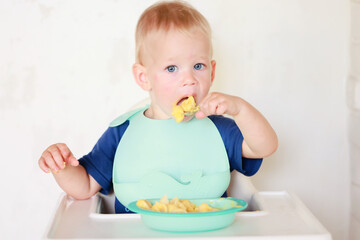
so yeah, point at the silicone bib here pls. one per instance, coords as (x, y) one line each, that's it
(157, 157)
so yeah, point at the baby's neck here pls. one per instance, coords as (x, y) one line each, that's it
(153, 114)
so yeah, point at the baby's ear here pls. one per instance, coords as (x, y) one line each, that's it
(213, 66)
(139, 72)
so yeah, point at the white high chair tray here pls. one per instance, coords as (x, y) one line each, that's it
(280, 215)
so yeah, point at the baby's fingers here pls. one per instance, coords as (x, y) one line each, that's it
(43, 165)
(220, 108)
(200, 114)
(212, 107)
(47, 162)
(73, 161)
(67, 154)
(58, 157)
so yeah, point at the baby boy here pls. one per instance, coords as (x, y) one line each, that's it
(145, 153)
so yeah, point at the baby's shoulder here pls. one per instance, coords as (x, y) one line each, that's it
(126, 116)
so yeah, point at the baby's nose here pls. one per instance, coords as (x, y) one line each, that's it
(189, 80)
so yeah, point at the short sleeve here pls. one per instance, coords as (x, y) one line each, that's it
(233, 139)
(99, 162)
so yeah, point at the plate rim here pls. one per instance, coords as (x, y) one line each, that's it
(133, 207)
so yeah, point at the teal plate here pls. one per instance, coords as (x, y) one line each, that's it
(192, 222)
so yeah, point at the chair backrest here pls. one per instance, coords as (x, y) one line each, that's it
(241, 187)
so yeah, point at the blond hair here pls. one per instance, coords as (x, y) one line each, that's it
(168, 15)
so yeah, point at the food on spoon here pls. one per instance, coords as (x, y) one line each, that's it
(186, 107)
(175, 205)
(178, 113)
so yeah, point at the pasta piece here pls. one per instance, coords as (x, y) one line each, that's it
(186, 107)
(160, 207)
(145, 204)
(175, 205)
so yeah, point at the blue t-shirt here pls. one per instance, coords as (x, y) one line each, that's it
(99, 162)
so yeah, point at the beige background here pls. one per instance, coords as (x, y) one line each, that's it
(65, 73)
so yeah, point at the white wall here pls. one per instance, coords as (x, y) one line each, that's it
(353, 101)
(65, 74)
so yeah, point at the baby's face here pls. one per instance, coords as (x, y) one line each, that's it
(177, 66)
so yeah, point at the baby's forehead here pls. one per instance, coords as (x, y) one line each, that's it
(171, 44)
(156, 35)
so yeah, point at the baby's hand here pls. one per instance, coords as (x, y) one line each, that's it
(56, 157)
(218, 104)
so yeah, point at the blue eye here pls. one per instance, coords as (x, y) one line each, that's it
(171, 68)
(199, 66)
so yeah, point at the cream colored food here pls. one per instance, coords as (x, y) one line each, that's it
(174, 205)
(186, 107)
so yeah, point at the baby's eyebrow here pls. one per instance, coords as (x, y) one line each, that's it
(204, 58)
(199, 59)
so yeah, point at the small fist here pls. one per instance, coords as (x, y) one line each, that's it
(56, 157)
(218, 104)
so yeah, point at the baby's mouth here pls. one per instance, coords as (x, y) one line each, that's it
(183, 99)
(184, 107)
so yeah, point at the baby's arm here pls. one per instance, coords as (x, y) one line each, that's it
(70, 176)
(260, 139)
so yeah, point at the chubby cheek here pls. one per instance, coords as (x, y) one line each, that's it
(204, 89)
(165, 91)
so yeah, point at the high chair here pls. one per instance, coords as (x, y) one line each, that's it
(270, 215)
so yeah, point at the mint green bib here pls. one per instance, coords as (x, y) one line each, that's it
(158, 157)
